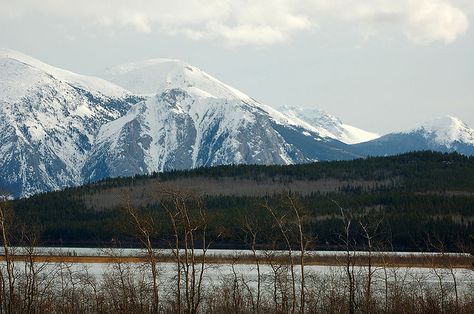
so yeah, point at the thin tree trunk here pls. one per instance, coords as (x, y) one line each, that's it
(8, 298)
(290, 256)
(303, 250)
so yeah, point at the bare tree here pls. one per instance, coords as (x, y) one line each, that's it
(281, 222)
(32, 269)
(284, 223)
(8, 279)
(349, 257)
(174, 216)
(303, 243)
(189, 221)
(369, 233)
(250, 226)
(439, 246)
(145, 230)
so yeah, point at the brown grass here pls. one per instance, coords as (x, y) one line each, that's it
(422, 261)
(150, 191)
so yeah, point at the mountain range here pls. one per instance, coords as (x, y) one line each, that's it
(60, 129)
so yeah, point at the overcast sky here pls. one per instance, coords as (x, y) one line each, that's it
(381, 65)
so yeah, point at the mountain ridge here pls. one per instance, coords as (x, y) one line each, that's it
(329, 125)
(90, 83)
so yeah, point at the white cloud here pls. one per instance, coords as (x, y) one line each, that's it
(422, 21)
(139, 21)
(258, 22)
(435, 20)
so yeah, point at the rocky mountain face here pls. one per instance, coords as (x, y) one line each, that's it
(49, 119)
(190, 119)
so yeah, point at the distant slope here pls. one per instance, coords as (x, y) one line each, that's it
(444, 134)
(416, 172)
(328, 125)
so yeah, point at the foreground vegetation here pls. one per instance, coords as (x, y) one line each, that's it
(274, 283)
(131, 288)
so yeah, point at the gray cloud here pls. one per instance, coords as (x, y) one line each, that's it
(260, 23)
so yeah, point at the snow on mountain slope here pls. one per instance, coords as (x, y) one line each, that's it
(445, 134)
(154, 76)
(172, 131)
(48, 122)
(328, 125)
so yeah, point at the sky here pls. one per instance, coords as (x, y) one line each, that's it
(382, 65)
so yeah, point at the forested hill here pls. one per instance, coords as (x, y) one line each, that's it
(413, 198)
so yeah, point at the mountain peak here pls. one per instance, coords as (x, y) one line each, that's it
(13, 54)
(138, 65)
(20, 71)
(153, 76)
(443, 123)
(446, 130)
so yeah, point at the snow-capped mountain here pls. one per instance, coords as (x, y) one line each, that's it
(445, 134)
(59, 129)
(328, 125)
(49, 119)
(446, 131)
(193, 120)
